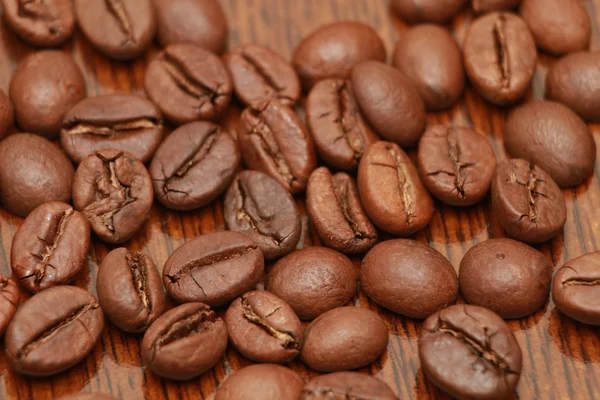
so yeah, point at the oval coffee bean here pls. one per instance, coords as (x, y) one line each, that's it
(334, 209)
(344, 338)
(7, 114)
(9, 301)
(130, 290)
(500, 57)
(261, 382)
(347, 385)
(486, 6)
(274, 140)
(470, 353)
(527, 202)
(50, 247)
(392, 192)
(188, 83)
(437, 11)
(554, 138)
(194, 165)
(264, 328)
(456, 164)
(184, 342)
(114, 192)
(214, 269)
(313, 280)
(340, 131)
(333, 49)
(116, 121)
(505, 276)
(53, 331)
(259, 207)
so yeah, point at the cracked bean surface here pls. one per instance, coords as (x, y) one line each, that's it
(347, 386)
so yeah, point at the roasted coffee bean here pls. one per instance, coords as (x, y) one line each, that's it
(485, 6)
(194, 165)
(274, 140)
(340, 131)
(313, 280)
(214, 268)
(333, 49)
(456, 164)
(53, 331)
(335, 210)
(9, 301)
(554, 138)
(347, 385)
(7, 114)
(184, 342)
(261, 382)
(344, 338)
(130, 290)
(32, 172)
(50, 247)
(114, 192)
(500, 57)
(117, 121)
(505, 276)
(392, 192)
(470, 353)
(437, 11)
(264, 328)
(89, 396)
(527, 202)
(188, 83)
(259, 207)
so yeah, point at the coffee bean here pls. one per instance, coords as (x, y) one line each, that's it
(188, 83)
(7, 114)
(436, 11)
(527, 202)
(53, 331)
(184, 342)
(505, 276)
(89, 396)
(332, 114)
(214, 269)
(259, 207)
(392, 192)
(500, 57)
(114, 192)
(44, 87)
(335, 210)
(9, 301)
(130, 290)
(261, 382)
(32, 172)
(554, 138)
(347, 385)
(344, 338)
(486, 6)
(470, 353)
(313, 280)
(456, 164)
(264, 328)
(194, 165)
(333, 49)
(117, 121)
(274, 140)
(50, 247)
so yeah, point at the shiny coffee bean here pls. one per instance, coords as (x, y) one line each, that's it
(9, 301)
(347, 385)
(7, 114)
(486, 6)
(436, 11)
(261, 382)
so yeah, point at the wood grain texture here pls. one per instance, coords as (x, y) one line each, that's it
(561, 357)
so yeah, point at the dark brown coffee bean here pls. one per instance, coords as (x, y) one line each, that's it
(486, 6)
(527, 202)
(437, 11)
(117, 121)
(53, 331)
(392, 192)
(313, 280)
(89, 396)
(456, 164)
(9, 301)
(333, 49)
(264, 328)
(114, 192)
(33, 171)
(7, 114)
(335, 210)
(50, 247)
(184, 342)
(130, 290)
(554, 138)
(470, 353)
(259, 207)
(347, 385)
(194, 165)
(261, 382)
(188, 83)
(500, 57)
(274, 140)
(214, 268)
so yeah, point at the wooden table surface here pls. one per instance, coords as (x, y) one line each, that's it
(561, 357)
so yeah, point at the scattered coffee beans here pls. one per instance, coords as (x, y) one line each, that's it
(347, 385)
(485, 6)
(261, 382)
(9, 301)
(7, 114)
(437, 11)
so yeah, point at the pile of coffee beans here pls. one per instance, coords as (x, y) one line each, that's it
(334, 124)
